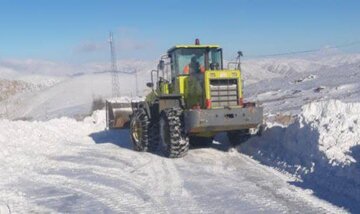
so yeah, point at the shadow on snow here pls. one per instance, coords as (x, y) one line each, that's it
(335, 184)
(119, 137)
(339, 185)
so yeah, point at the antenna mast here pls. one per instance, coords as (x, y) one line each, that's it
(114, 71)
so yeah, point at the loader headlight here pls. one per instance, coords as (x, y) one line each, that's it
(212, 75)
(234, 74)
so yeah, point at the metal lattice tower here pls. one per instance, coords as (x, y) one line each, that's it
(114, 71)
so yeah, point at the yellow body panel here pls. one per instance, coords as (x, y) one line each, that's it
(181, 85)
(164, 88)
(222, 74)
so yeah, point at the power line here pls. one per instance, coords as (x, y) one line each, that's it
(348, 44)
(307, 51)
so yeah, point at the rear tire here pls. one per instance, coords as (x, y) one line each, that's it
(140, 131)
(174, 142)
(238, 137)
(154, 136)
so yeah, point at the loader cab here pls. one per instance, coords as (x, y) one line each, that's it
(196, 73)
(194, 59)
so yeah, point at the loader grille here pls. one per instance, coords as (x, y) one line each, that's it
(223, 92)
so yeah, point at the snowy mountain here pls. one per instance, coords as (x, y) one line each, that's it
(9, 88)
(72, 97)
(281, 67)
(280, 84)
(284, 84)
(69, 92)
(15, 68)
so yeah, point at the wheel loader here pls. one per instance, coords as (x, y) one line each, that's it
(193, 97)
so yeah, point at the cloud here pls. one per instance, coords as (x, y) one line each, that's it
(90, 47)
(126, 31)
(129, 44)
(126, 39)
(121, 43)
(14, 68)
(36, 66)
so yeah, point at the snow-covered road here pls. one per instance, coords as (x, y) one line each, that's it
(64, 165)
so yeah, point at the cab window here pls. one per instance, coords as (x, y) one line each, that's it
(215, 59)
(189, 60)
(192, 60)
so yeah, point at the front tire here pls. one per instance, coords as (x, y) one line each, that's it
(154, 136)
(139, 130)
(174, 143)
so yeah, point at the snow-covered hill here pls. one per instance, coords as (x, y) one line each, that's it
(72, 97)
(15, 68)
(291, 86)
(9, 88)
(69, 93)
(284, 67)
(280, 84)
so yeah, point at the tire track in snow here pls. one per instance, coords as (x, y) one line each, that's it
(73, 174)
(245, 185)
(168, 187)
(130, 174)
(287, 195)
(120, 195)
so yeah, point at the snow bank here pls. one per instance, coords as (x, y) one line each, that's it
(98, 118)
(29, 150)
(322, 148)
(69, 166)
(338, 125)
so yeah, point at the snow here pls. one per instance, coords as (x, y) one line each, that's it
(287, 90)
(280, 67)
(70, 92)
(280, 84)
(338, 126)
(321, 147)
(64, 165)
(125, 99)
(42, 81)
(72, 97)
(307, 159)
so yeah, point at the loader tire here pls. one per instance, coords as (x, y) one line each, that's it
(174, 143)
(139, 130)
(200, 142)
(238, 137)
(154, 136)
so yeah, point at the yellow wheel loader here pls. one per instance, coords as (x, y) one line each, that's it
(192, 99)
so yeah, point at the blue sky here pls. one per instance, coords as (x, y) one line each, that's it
(77, 30)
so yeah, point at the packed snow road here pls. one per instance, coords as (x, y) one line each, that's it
(64, 165)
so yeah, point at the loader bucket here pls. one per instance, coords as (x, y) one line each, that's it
(117, 114)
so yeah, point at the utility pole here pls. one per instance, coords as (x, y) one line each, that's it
(114, 71)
